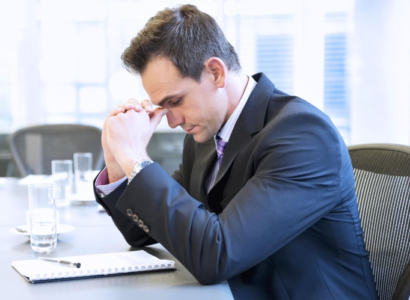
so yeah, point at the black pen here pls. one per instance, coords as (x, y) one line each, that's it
(63, 262)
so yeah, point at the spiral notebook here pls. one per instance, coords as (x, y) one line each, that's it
(92, 266)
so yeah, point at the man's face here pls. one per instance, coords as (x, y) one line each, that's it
(199, 108)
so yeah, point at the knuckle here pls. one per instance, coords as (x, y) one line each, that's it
(147, 102)
(133, 101)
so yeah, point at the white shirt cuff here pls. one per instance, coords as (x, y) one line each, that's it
(105, 189)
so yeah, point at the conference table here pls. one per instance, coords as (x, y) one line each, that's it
(94, 233)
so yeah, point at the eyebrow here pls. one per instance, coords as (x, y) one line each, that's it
(168, 98)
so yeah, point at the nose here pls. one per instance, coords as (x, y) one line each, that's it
(174, 119)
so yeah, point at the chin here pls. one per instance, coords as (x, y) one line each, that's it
(201, 138)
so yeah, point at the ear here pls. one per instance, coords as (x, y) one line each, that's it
(216, 69)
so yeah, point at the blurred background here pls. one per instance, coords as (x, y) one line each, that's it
(60, 61)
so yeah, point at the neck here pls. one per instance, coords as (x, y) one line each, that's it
(235, 89)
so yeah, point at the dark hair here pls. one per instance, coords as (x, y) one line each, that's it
(185, 35)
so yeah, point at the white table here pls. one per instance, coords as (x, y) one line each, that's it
(94, 233)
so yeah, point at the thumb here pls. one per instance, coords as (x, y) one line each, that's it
(157, 115)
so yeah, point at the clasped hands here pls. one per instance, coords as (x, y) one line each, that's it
(125, 136)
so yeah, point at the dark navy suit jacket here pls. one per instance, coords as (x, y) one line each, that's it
(281, 221)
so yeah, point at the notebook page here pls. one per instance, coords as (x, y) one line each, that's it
(91, 265)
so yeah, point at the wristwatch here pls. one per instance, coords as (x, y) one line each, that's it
(141, 164)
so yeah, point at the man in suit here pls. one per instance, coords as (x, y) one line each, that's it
(264, 196)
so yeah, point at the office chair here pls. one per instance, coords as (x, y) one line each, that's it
(382, 174)
(33, 148)
(402, 290)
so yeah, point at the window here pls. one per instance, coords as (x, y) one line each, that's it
(11, 25)
(335, 77)
(73, 64)
(73, 73)
(275, 59)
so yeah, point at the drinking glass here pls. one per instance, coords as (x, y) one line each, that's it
(43, 220)
(83, 173)
(62, 174)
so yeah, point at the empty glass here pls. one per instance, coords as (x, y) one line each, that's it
(43, 220)
(83, 173)
(62, 174)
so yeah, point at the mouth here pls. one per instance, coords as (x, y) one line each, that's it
(190, 130)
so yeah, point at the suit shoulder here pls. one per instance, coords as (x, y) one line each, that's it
(290, 114)
(282, 106)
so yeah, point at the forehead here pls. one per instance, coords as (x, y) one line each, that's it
(161, 79)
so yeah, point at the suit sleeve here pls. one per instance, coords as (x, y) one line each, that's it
(132, 233)
(295, 183)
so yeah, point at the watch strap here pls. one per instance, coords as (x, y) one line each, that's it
(141, 164)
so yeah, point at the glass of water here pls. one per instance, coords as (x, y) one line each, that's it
(43, 220)
(62, 174)
(83, 173)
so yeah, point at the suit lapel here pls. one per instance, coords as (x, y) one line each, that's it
(205, 157)
(240, 137)
(250, 122)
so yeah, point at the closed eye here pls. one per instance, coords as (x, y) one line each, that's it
(176, 103)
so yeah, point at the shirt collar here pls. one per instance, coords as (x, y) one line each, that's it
(226, 131)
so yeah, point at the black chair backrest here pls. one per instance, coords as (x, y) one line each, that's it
(382, 174)
(33, 148)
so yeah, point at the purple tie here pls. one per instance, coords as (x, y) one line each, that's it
(220, 148)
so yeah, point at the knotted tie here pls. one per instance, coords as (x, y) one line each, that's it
(220, 148)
